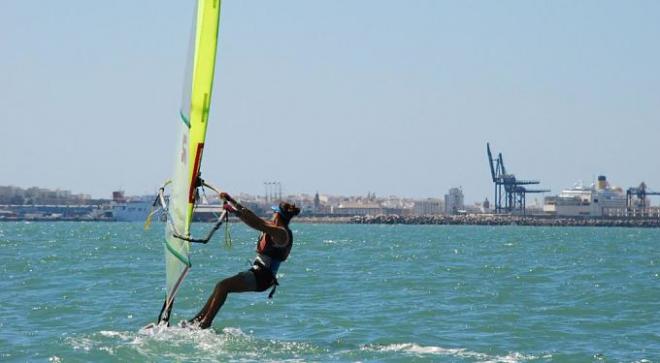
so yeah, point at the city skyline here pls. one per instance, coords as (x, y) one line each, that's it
(82, 198)
(370, 97)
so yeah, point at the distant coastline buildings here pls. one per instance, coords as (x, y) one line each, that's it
(600, 200)
(454, 202)
(45, 204)
(34, 195)
(429, 206)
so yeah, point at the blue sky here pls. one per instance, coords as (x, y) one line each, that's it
(343, 97)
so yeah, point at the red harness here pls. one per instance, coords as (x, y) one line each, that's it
(267, 247)
(265, 275)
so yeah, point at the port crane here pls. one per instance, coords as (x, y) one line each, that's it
(640, 193)
(510, 193)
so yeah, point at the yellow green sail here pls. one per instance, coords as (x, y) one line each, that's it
(194, 114)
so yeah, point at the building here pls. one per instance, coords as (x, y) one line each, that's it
(485, 206)
(358, 209)
(428, 206)
(34, 195)
(454, 201)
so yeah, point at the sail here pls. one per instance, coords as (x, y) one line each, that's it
(193, 120)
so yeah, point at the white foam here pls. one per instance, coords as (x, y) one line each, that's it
(107, 349)
(204, 339)
(85, 344)
(116, 334)
(234, 331)
(416, 349)
(231, 344)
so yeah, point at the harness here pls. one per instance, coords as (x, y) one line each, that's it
(266, 246)
(259, 269)
(275, 255)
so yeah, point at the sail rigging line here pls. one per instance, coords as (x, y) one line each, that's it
(163, 207)
(220, 218)
(228, 239)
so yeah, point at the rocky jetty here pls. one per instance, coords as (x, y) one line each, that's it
(501, 220)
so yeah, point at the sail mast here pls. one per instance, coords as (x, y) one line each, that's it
(194, 116)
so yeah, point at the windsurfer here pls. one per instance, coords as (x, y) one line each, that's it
(273, 247)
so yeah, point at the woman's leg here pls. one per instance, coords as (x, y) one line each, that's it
(240, 282)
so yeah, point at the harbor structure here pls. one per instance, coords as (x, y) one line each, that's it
(34, 203)
(510, 192)
(273, 191)
(54, 212)
(358, 209)
(637, 197)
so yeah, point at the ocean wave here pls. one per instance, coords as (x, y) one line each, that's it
(175, 343)
(420, 350)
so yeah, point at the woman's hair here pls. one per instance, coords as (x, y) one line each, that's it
(288, 211)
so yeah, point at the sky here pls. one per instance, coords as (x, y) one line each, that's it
(340, 97)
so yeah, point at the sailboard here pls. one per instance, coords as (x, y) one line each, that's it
(193, 122)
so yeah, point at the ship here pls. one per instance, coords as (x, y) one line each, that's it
(597, 200)
(133, 209)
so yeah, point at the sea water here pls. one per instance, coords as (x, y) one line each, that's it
(368, 293)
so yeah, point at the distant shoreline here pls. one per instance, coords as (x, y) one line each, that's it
(470, 219)
(505, 220)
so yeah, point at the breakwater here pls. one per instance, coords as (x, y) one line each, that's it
(471, 219)
(502, 220)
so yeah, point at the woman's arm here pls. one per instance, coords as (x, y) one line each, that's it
(279, 234)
